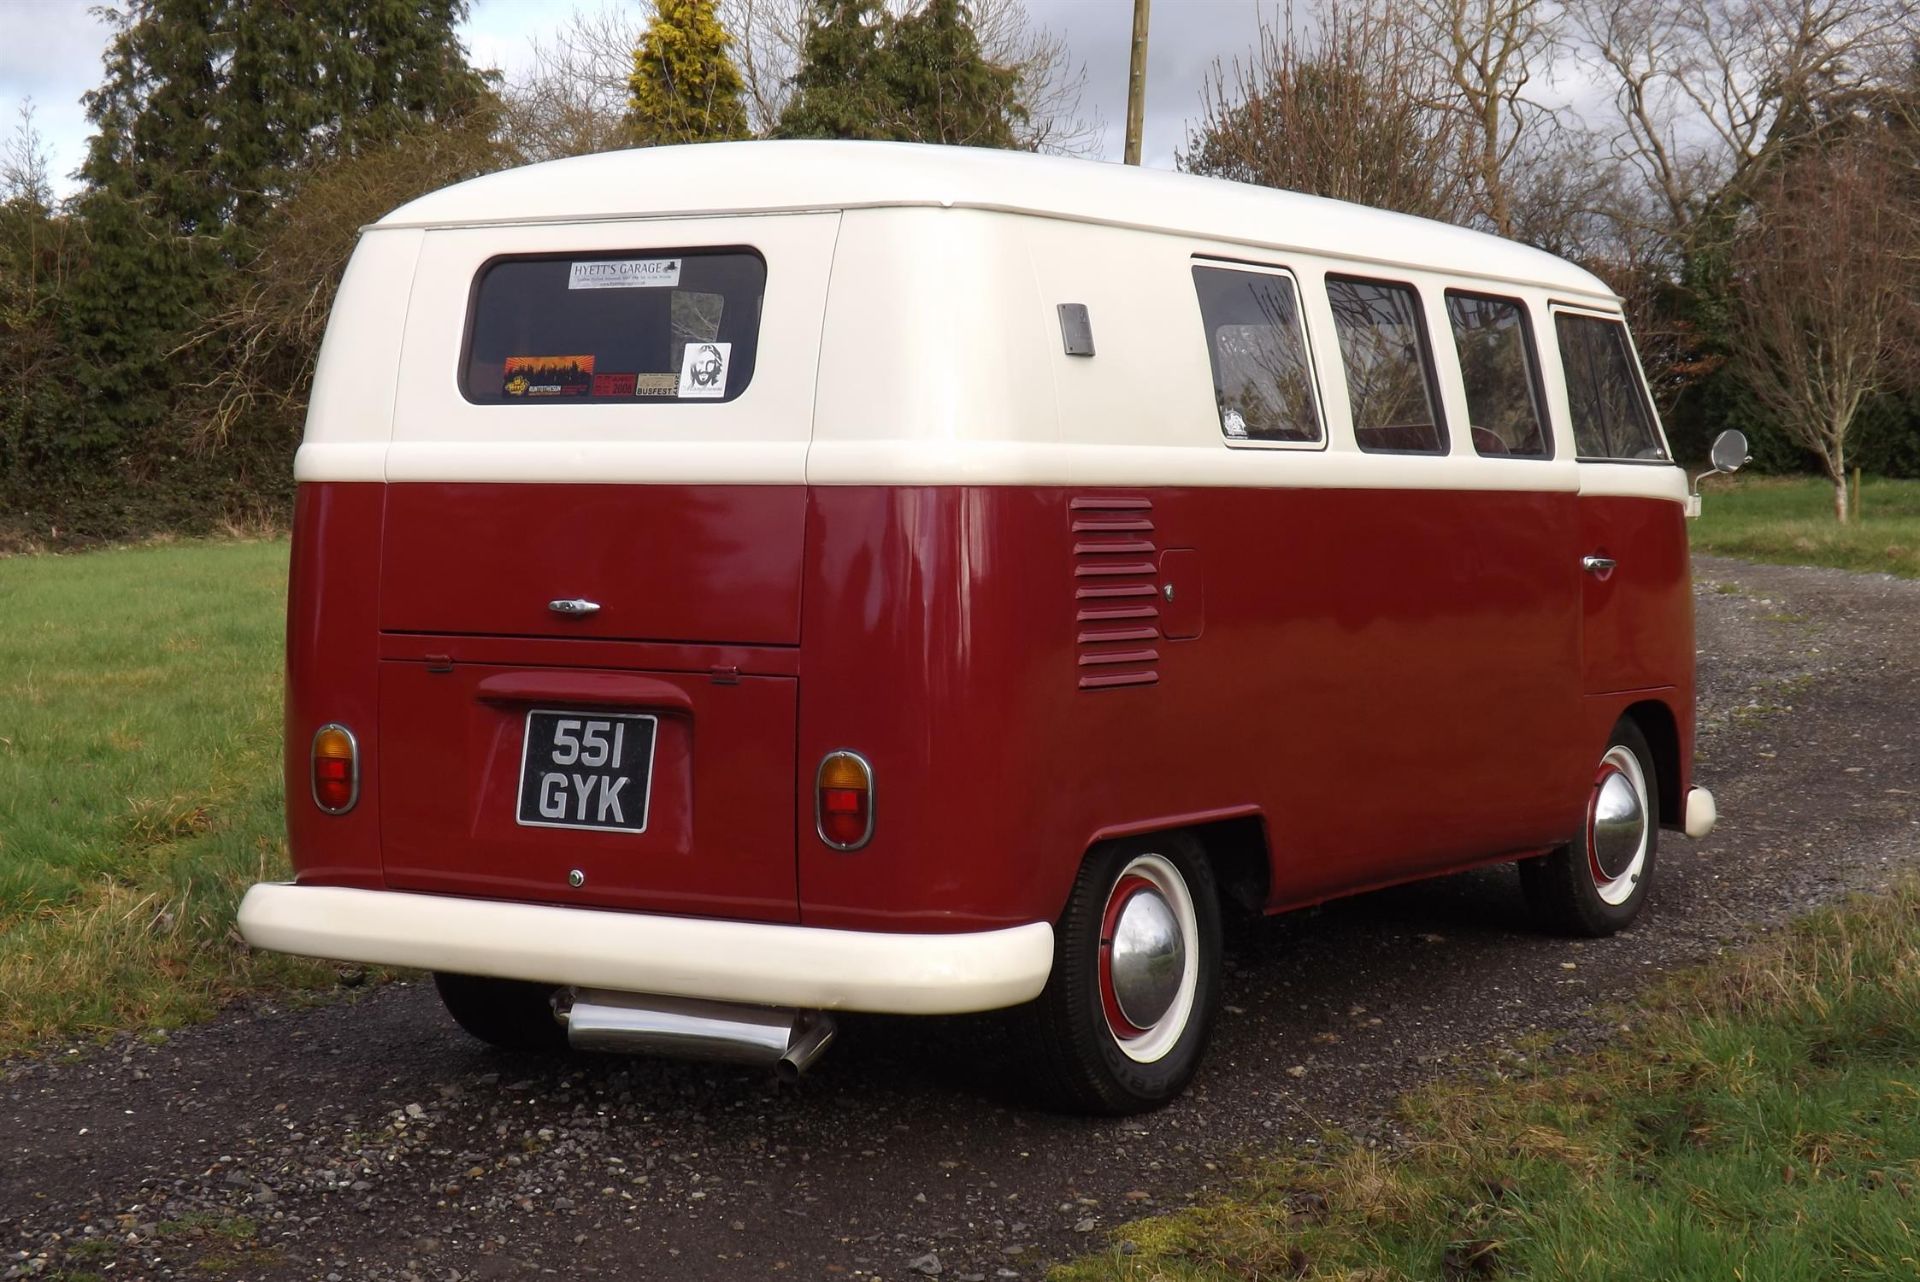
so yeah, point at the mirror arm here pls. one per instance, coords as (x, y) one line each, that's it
(1694, 489)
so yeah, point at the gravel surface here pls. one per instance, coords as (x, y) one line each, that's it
(366, 1138)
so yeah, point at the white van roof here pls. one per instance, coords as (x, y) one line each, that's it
(790, 176)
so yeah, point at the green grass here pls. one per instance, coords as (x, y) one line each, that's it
(1760, 1121)
(1790, 520)
(139, 783)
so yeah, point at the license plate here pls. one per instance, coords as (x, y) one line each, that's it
(586, 770)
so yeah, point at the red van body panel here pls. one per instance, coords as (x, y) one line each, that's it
(1398, 682)
(1390, 679)
(663, 562)
(333, 646)
(1639, 619)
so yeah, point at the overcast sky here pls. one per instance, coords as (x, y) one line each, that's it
(51, 54)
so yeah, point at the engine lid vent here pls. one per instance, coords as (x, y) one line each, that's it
(1116, 592)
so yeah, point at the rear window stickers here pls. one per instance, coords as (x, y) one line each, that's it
(626, 273)
(536, 376)
(628, 327)
(703, 371)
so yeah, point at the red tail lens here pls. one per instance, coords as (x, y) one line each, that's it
(843, 801)
(336, 769)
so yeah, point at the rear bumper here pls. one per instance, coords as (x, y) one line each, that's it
(1702, 814)
(729, 961)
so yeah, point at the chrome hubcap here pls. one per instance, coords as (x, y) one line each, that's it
(1619, 823)
(1149, 957)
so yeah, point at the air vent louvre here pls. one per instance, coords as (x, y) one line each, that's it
(1116, 595)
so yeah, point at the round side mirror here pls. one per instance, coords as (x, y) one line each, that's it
(1729, 453)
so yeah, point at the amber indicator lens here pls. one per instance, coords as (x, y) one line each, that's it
(843, 803)
(336, 769)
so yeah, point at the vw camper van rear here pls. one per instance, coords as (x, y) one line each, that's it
(736, 584)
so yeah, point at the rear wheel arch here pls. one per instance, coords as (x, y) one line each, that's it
(1236, 848)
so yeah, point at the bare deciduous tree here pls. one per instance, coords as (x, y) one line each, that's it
(572, 99)
(1703, 91)
(1489, 51)
(1347, 111)
(1829, 269)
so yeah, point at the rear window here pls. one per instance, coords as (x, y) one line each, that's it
(624, 327)
(1611, 417)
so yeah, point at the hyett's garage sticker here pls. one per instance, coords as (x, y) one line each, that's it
(626, 273)
(531, 376)
(703, 371)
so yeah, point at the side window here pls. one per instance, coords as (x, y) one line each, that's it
(1262, 378)
(637, 325)
(1611, 417)
(1390, 384)
(1501, 373)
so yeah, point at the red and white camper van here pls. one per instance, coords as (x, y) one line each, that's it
(735, 584)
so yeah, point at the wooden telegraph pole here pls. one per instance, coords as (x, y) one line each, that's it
(1137, 82)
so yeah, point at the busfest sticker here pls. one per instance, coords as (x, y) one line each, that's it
(535, 376)
(625, 273)
(703, 371)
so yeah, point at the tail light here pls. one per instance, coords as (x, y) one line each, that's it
(843, 801)
(336, 769)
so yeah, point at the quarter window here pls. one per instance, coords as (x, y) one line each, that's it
(631, 326)
(1262, 378)
(1390, 384)
(1608, 403)
(1501, 373)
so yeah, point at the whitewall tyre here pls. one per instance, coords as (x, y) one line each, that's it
(1598, 883)
(1127, 1010)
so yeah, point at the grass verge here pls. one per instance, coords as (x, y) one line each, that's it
(139, 783)
(1761, 1120)
(1789, 520)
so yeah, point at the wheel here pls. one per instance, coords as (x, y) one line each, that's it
(508, 1013)
(1124, 1018)
(1598, 884)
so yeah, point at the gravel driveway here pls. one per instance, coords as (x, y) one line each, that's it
(369, 1139)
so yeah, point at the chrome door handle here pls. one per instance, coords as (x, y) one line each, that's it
(574, 606)
(1599, 566)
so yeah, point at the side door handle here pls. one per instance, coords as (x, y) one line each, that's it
(574, 606)
(1598, 566)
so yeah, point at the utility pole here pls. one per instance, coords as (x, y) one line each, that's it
(1137, 82)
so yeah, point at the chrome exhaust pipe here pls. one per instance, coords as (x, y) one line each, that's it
(812, 1035)
(787, 1041)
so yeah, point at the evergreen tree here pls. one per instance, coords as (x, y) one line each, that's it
(945, 88)
(684, 86)
(840, 90)
(211, 107)
(209, 114)
(920, 77)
